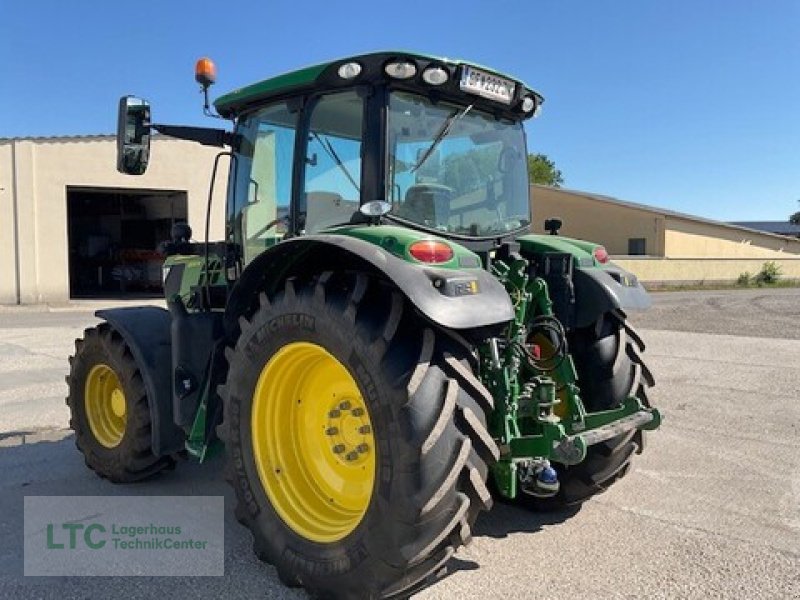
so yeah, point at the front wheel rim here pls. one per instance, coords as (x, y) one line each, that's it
(106, 406)
(313, 443)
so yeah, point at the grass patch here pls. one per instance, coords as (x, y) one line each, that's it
(733, 285)
(770, 276)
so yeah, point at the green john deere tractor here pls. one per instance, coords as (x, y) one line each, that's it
(378, 341)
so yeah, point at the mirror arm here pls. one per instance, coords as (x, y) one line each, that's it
(203, 135)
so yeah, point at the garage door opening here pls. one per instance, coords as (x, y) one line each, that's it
(114, 237)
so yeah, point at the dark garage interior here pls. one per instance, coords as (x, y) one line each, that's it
(114, 235)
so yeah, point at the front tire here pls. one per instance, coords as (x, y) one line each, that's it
(426, 449)
(110, 410)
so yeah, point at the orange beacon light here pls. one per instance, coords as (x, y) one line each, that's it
(205, 72)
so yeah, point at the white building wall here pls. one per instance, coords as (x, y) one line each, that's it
(35, 175)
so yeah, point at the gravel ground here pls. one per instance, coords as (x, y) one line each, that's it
(712, 508)
(770, 313)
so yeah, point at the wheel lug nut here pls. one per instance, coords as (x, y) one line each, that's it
(334, 413)
(362, 448)
(365, 429)
(344, 405)
(357, 412)
(331, 431)
(338, 448)
(352, 456)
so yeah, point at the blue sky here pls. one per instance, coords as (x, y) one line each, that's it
(692, 105)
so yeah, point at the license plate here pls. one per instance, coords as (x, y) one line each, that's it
(475, 81)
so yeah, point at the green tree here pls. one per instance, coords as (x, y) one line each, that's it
(543, 170)
(795, 218)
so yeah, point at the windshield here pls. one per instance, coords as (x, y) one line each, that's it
(455, 169)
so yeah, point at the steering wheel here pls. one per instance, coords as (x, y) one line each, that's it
(511, 223)
(267, 227)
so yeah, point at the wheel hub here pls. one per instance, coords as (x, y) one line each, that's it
(350, 432)
(118, 403)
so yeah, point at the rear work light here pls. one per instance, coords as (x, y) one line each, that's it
(349, 70)
(431, 251)
(601, 255)
(402, 69)
(435, 75)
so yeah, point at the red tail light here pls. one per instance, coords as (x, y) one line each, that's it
(601, 255)
(431, 251)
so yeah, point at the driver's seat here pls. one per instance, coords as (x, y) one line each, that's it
(427, 204)
(325, 209)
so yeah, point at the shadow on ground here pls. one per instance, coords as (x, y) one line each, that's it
(505, 518)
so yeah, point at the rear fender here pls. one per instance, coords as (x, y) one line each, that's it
(599, 288)
(598, 291)
(146, 331)
(447, 297)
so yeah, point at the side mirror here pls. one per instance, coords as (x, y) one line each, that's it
(553, 225)
(133, 135)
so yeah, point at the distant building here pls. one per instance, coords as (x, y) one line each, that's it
(779, 227)
(630, 229)
(664, 247)
(71, 226)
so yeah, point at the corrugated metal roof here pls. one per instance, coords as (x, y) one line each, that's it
(780, 227)
(665, 212)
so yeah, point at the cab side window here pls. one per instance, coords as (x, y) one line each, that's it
(263, 179)
(332, 183)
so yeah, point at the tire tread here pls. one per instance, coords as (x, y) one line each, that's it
(446, 505)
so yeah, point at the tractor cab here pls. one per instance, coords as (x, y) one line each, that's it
(441, 142)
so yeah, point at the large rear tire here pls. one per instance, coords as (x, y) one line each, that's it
(610, 366)
(426, 449)
(110, 410)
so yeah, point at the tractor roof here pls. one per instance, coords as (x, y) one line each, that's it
(325, 76)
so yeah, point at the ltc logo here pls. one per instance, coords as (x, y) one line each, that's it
(74, 536)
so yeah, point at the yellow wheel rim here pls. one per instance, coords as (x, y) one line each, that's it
(313, 443)
(106, 408)
(548, 350)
